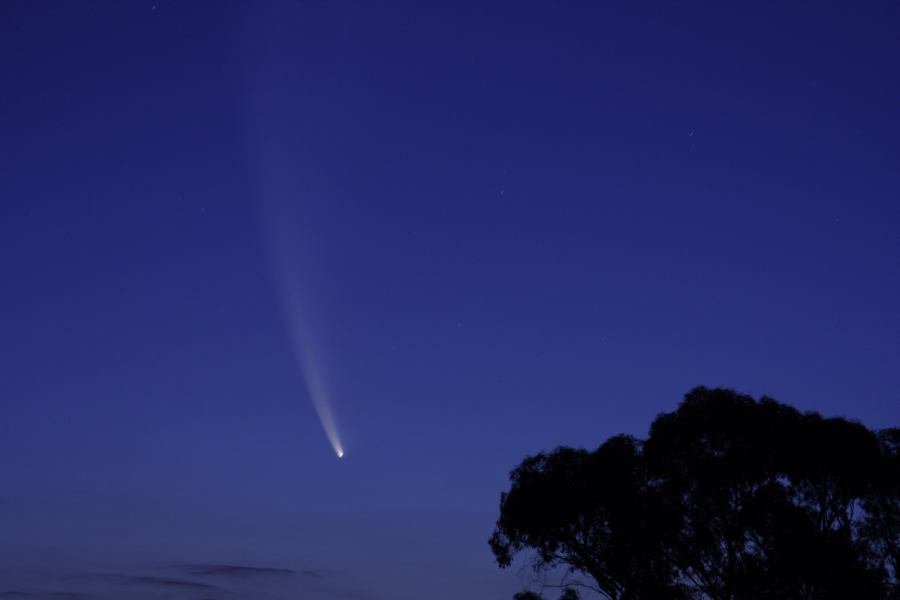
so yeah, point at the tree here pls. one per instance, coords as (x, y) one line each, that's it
(882, 529)
(729, 498)
(765, 497)
(592, 513)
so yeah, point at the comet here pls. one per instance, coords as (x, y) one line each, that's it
(293, 260)
(318, 394)
(300, 330)
(291, 230)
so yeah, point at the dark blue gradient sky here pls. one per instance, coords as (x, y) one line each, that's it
(512, 225)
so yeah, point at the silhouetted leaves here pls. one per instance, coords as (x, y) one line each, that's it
(729, 498)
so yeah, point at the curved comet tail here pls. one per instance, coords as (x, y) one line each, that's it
(300, 317)
(319, 397)
(294, 260)
(289, 210)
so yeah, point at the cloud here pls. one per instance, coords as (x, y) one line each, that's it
(180, 581)
(163, 581)
(238, 570)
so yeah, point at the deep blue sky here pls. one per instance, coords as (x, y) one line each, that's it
(512, 225)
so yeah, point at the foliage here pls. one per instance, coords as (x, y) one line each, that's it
(729, 498)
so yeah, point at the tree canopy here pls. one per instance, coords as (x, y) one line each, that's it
(728, 498)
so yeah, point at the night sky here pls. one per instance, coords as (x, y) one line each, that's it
(496, 227)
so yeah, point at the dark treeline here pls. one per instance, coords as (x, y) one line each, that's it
(728, 498)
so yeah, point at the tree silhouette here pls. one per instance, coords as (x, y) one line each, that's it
(591, 512)
(729, 498)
